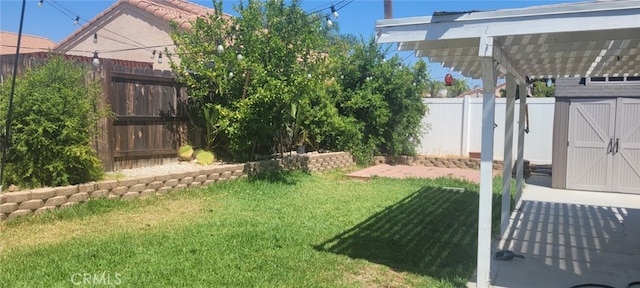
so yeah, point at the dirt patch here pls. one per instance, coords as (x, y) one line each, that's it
(162, 215)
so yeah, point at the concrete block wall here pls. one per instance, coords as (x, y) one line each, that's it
(36, 201)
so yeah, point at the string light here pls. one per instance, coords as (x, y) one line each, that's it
(329, 22)
(40, 3)
(75, 22)
(239, 57)
(220, 48)
(334, 12)
(96, 61)
(95, 38)
(159, 58)
(230, 75)
(153, 54)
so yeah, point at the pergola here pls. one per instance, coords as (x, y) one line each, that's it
(588, 39)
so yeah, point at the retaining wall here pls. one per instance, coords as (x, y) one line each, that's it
(430, 161)
(36, 201)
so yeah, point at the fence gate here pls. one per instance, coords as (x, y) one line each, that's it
(150, 121)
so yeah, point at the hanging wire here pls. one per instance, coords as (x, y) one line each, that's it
(62, 9)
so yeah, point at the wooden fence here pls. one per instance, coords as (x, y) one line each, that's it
(149, 119)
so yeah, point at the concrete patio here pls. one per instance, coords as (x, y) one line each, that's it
(570, 238)
(567, 237)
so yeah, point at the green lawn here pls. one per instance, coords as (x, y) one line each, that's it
(282, 230)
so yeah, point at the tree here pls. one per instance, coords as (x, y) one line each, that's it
(281, 63)
(383, 96)
(54, 123)
(296, 72)
(540, 88)
(433, 87)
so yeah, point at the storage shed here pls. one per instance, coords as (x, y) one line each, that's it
(596, 134)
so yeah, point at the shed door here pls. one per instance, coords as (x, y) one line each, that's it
(591, 131)
(626, 159)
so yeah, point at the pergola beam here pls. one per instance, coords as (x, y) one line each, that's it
(489, 47)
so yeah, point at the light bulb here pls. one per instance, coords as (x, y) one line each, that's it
(230, 74)
(153, 54)
(220, 48)
(329, 22)
(95, 38)
(40, 3)
(240, 57)
(309, 75)
(75, 22)
(160, 58)
(334, 12)
(96, 61)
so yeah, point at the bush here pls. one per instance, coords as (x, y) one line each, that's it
(205, 157)
(54, 124)
(185, 152)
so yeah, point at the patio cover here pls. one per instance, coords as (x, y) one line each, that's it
(588, 39)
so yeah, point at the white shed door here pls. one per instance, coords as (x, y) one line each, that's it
(591, 131)
(626, 153)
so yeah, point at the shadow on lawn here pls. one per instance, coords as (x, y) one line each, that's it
(287, 177)
(432, 232)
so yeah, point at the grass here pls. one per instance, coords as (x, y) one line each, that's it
(277, 230)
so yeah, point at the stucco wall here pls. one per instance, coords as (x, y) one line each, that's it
(131, 23)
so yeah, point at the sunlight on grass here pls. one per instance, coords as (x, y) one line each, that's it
(42, 232)
(284, 229)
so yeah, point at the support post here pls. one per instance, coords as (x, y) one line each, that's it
(508, 155)
(521, 123)
(489, 78)
(466, 115)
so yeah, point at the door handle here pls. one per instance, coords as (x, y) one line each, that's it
(610, 146)
(616, 146)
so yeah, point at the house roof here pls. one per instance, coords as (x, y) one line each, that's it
(180, 11)
(28, 43)
(551, 41)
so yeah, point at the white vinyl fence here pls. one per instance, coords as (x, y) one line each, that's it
(453, 127)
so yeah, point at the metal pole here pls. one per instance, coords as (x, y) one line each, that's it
(388, 9)
(7, 135)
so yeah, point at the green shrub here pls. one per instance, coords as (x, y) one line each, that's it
(185, 152)
(205, 157)
(54, 124)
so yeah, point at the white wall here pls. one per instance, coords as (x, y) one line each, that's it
(455, 128)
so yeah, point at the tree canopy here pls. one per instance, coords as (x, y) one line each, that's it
(297, 81)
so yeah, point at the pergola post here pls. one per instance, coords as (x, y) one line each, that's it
(508, 154)
(489, 78)
(521, 123)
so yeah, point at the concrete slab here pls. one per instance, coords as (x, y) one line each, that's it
(570, 238)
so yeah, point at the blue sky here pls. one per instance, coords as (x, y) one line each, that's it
(356, 18)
